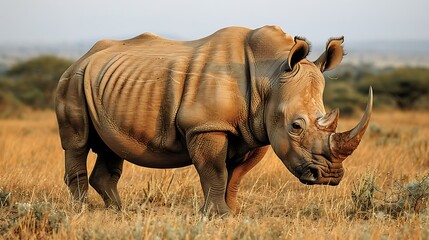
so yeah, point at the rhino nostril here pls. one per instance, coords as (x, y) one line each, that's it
(314, 172)
(311, 175)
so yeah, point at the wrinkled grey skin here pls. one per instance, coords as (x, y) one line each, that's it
(216, 103)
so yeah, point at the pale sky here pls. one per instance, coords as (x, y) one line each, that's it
(53, 21)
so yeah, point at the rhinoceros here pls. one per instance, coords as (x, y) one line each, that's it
(216, 103)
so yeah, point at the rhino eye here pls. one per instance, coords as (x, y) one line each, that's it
(297, 126)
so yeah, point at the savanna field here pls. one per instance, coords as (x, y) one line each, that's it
(384, 194)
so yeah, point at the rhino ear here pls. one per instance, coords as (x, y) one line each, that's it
(299, 51)
(332, 56)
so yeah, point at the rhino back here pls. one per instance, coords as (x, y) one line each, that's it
(146, 93)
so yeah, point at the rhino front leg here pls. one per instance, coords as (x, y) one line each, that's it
(208, 153)
(105, 176)
(237, 173)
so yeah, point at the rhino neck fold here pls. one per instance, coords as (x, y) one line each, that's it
(256, 96)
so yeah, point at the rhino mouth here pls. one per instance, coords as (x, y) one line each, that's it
(323, 174)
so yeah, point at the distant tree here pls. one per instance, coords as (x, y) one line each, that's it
(404, 85)
(35, 80)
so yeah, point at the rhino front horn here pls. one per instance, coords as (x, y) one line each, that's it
(343, 144)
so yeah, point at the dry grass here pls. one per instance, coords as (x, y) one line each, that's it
(274, 204)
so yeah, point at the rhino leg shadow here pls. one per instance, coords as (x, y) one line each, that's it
(236, 174)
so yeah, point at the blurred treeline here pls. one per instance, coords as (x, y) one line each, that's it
(403, 88)
(31, 85)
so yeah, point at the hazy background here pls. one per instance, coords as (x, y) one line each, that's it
(387, 42)
(53, 21)
(69, 28)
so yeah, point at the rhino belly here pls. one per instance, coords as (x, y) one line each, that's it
(147, 154)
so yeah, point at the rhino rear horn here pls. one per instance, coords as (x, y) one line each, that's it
(329, 121)
(343, 144)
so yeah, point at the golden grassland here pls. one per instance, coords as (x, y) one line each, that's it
(163, 204)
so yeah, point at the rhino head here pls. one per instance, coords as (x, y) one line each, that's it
(299, 130)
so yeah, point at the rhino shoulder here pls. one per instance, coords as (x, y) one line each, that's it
(270, 43)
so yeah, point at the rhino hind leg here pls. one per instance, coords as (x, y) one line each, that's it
(73, 125)
(76, 176)
(105, 176)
